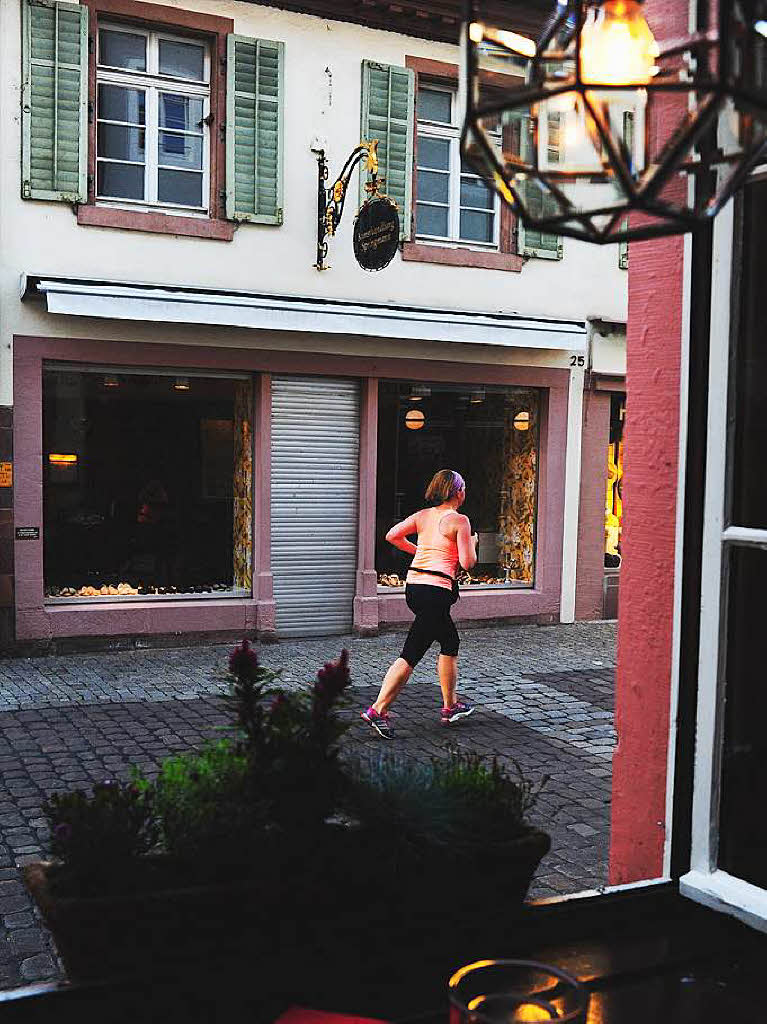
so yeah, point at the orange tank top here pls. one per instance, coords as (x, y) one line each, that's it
(434, 551)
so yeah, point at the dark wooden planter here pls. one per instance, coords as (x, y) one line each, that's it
(314, 904)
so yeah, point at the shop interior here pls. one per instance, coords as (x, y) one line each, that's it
(140, 473)
(488, 434)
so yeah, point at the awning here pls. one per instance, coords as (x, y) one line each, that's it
(162, 304)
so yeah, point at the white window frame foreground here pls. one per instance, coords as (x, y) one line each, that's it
(152, 83)
(706, 883)
(451, 133)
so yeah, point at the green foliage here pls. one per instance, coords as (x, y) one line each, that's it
(459, 803)
(112, 826)
(209, 811)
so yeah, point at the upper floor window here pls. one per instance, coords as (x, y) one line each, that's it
(453, 203)
(153, 110)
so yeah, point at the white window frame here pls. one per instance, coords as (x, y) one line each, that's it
(153, 83)
(705, 882)
(452, 134)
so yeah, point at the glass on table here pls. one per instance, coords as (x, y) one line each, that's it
(515, 991)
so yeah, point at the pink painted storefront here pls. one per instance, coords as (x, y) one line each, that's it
(48, 609)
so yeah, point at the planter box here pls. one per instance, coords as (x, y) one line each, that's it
(314, 904)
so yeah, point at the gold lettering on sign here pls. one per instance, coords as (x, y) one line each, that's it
(6, 474)
(376, 236)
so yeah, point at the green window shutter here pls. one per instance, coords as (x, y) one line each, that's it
(388, 114)
(255, 93)
(628, 138)
(54, 101)
(533, 242)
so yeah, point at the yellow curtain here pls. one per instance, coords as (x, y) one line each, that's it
(243, 485)
(516, 524)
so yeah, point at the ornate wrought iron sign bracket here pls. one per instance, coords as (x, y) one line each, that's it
(330, 201)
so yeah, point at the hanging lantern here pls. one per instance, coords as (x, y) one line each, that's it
(414, 419)
(594, 119)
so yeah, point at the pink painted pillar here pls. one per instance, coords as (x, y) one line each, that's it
(591, 517)
(262, 510)
(645, 617)
(366, 596)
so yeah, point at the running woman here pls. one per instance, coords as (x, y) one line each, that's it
(444, 540)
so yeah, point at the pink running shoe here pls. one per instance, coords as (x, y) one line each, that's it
(378, 722)
(458, 711)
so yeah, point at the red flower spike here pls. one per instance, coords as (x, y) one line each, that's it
(243, 661)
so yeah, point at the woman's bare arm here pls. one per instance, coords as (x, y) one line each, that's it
(398, 534)
(467, 550)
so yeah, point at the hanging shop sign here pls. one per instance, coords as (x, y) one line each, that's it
(376, 233)
(376, 228)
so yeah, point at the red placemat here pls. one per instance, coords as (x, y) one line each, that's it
(304, 1015)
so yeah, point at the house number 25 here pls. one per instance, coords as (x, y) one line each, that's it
(577, 360)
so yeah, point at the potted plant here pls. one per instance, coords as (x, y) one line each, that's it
(459, 817)
(204, 862)
(270, 839)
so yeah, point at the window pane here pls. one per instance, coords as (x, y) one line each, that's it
(434, 106)
(749, 487)
(433, 187)
(121, 143)
(181, 187)
(180, 150)
(120, 181)
(119, 104)
(433, 153)
(476, 227)
(491, 437)
(149, 505)
(743, 824)
(182, 60)
(122, 50)
(474, 192)
(183, 113)
(431, 220)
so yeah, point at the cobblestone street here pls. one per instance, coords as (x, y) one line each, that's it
(544, 696)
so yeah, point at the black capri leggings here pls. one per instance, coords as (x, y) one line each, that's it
(431, 606)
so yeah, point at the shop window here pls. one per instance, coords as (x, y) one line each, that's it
(490, 435)
(147, 484)
(152, 112)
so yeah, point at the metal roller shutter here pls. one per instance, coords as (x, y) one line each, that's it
(315, 497)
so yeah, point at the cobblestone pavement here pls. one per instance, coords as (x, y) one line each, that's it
(545, 697)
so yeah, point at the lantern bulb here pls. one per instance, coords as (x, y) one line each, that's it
(617, 46)
(476, 31)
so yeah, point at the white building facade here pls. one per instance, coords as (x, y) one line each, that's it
(200, 432)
